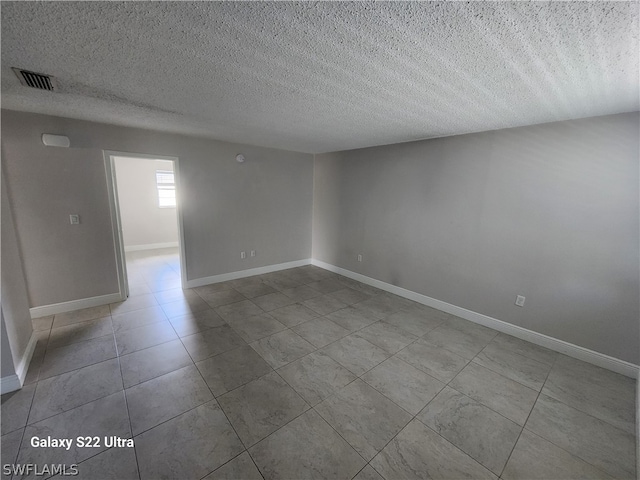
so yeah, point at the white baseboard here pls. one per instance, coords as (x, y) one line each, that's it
(198, 282)
(14, 382)
(10, 383)
(575, 351)
(23, 366)
(43, 311)
(150, 246)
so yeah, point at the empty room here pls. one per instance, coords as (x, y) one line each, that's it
(320, 240)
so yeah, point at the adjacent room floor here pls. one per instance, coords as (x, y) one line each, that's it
(303, 373)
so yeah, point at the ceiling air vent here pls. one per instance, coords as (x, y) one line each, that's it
(40, 81)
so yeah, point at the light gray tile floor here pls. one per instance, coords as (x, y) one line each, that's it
(338, 380)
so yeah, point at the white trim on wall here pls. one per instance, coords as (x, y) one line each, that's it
(43, 311)
(150, 246)
(198, 282)
(10, 384)
(599, 359)
(14, 382)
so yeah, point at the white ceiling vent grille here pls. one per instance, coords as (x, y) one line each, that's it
(40, 81)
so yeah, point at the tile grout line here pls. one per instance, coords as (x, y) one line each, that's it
(527, 419)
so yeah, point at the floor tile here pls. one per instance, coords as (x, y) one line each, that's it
(417, 322)
(240, 468)
(271, 301)
(306, 448)
(417, 452)
(302, 293)
(70, 390)
(104, 417)
(231, 369)
(362, 287)
(138, 289)
(205, 290)
(349, 295)
(188, 446)
(293, 315)
(407, 386)
(351, 318)
(138, 318)
(604, 394)
(507, 397)
(320, 331)
(594, 441)
(196, 322)
(282, 348)
(324, 304)
(170, 282)
(256, 327)
(143, 365)
(134, 303)
(223, 297)
(328, 285)
(239, 310)
(386, 336)
(523, 370)
(9, 446)
(474, 329)
(380, 306)
(112, 464)
(42, 323)
(79, 332)
(462, 343)
(253, 290)
(77, 355)
(368, 473)
(475, 429)
(439, 363)
(162, 398)
(14, 409)
(211, 342)
(168, 296)
(184, 306)
(261, 407)
(316, 376)
(525, 462)
(129, 341)
(356, 354)
(83, 315)
(526, 349)
(363, 417)
(281, 283)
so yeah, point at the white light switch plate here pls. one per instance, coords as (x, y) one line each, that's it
(74, 219)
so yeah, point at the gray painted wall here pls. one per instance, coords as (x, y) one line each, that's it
(16, 320)
(548, 211)
(143, 221)
(263, 204)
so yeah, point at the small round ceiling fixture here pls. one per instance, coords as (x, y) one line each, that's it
(240, 158)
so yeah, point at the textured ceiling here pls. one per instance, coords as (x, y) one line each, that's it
(318, 77)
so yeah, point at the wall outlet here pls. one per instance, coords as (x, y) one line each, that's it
(74, 219)
(253, 253)
(520, 301)
(359, 257)
(243, 255)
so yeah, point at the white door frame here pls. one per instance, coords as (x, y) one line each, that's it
(116, 222)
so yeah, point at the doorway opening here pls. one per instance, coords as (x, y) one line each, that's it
(148, 225)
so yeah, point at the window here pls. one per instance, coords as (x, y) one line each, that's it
(166, 188)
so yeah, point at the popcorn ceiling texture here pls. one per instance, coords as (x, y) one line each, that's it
(319, 77)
